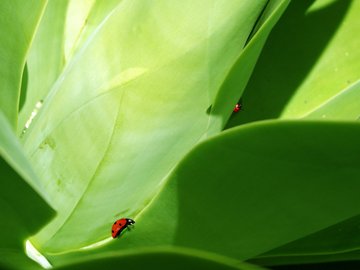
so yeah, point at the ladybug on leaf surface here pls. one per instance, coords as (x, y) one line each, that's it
(237, 107)
(120, 225)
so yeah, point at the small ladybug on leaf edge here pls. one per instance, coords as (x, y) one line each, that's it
(120, 225)
(237, 107)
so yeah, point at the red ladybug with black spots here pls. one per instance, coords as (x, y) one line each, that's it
(120, 225)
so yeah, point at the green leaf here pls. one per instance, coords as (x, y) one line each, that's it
(343, 106)
(23, 210)
(338, 65)
(127, 107)
(252, 189)
(299, 190)
(13, 154)
(18, 22)
(322, 85)
(336, 243)
(64, 28)
(162, 258)
(45, 59)
(309, 60)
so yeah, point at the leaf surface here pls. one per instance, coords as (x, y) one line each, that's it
(17, 26)
(310, 60)
(161, 258)
(219, 200)
(128, 106)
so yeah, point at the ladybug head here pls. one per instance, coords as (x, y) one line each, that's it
(130, 221)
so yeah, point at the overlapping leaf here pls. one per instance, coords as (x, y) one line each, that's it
(309, 65)
(23, 210)
(321, 82)
(17, 27)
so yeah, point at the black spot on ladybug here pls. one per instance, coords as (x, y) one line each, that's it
(114, 222)
(112, 231)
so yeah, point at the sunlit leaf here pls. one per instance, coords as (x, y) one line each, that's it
(17, 26)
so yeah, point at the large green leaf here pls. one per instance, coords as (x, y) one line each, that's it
(252, 189)
(17, 26)
(23, 210)
(128, 106)
(161, 258)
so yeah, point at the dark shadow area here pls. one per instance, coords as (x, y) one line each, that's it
(294, 45)
(24, 86)
(334, 239)
(17, 196)
(21, 216)
(355, 265)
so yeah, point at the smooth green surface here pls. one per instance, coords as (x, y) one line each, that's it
(23, 211)
(46, 58)
(253, 189)
(227, 205)
(17, 26)
(343, 106)
(310, 58)
(337, 66)
(127, 107)
(336, 243)
(64, 28)
(161, 258)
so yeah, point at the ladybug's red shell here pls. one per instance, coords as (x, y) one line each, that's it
(120, 225)
(237, 107)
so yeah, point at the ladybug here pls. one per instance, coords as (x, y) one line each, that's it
(120, 225)
(237, 107)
